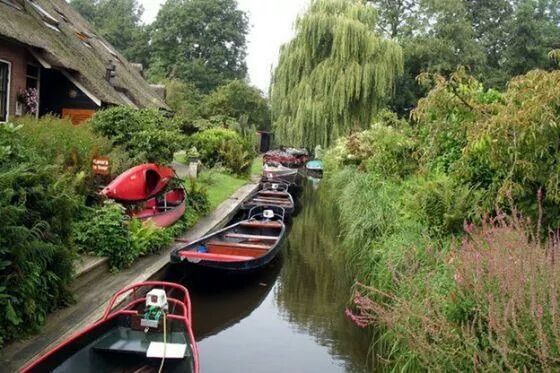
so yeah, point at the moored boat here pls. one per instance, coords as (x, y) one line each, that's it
(289, 157)
(163, 211)
(150, 329)
(271, 194)
(245, 246)
(314, 168)
(273, 171)
(139, 183)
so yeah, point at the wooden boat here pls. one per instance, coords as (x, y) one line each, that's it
(289, 157)
(271, 194)
(139, 183)
(273, 171)
(152, 328)
(245, 246)
(163, 210)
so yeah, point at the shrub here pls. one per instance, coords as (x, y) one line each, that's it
(145, 134)
(224, 146)
(37, 206)
(197, 197)
(58, 142)
(491, 305)
(147, 238)
(104, 232)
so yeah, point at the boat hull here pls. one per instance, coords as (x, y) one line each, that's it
(139, 183)
(188, 256)
(162, 216)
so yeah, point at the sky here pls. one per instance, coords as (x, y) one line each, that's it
(271, 25)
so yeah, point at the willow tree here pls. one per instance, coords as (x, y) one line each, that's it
(334, 75)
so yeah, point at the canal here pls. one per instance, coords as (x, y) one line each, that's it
(288, 317)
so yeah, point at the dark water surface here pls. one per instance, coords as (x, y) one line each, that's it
(287, 318)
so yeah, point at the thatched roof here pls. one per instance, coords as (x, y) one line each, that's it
(75, 49)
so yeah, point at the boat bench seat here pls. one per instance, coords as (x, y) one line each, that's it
(237, 245)
(130, 341)
(252, 237)
(261, 224)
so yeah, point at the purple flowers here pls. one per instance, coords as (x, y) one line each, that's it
(29, 98)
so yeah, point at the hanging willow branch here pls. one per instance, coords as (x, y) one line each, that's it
(334, 75)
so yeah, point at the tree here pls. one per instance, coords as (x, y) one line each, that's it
(200, 42)
(118, 21)
(534, 33)
(237, 99)
(334, 75)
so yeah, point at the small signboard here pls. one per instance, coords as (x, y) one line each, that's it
(101, 166)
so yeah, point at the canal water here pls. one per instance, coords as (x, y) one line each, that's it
(290, 316)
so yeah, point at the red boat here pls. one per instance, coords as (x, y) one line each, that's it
(151, 330)
(163, 210)
(139, 183)
(288, 157)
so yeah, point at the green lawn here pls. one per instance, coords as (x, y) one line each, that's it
(257, 166)
(220, 186)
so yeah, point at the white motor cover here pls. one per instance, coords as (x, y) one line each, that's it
(156, 298)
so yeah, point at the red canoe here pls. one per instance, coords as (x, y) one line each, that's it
(139, 183)
(163, 211)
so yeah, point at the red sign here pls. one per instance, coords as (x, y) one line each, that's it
(101, 166)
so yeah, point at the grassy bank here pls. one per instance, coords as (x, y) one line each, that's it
(220, 185)
(444, 222)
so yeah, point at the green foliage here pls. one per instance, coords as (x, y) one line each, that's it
(334, 75)
(37, 204)
(120, 22)
(146, 238)
(513, 153)
(472, 149)
(145, 134)
(199, 41)
(225, 147)
(237, 99)
(198, 198)
(58, 142)
(104, 232)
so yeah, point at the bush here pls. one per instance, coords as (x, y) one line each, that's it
(38, 205)
(58, 142)
(198, 198)
(104, 232)
(490, 305)
(147, 238)
(223, 146)
(145, 134)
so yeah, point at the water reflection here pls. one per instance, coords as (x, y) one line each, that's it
(313, 288)
(287, 318)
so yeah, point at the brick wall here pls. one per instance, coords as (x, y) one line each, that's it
(18, 56)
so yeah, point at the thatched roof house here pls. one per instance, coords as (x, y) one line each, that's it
(46, 45)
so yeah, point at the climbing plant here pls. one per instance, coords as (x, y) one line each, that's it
(334, 75)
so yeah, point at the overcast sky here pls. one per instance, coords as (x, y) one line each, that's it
(271, 24)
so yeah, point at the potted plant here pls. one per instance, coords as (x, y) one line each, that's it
(27, 101)
(193, 155)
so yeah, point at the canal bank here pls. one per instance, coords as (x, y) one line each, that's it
(91, 299)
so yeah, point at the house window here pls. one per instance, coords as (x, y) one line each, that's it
(33, 75)
(4, 90)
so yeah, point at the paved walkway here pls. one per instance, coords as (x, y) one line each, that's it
(92, 295)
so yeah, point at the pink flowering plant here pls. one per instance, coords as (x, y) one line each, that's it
(30, 99)
(492, 306)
